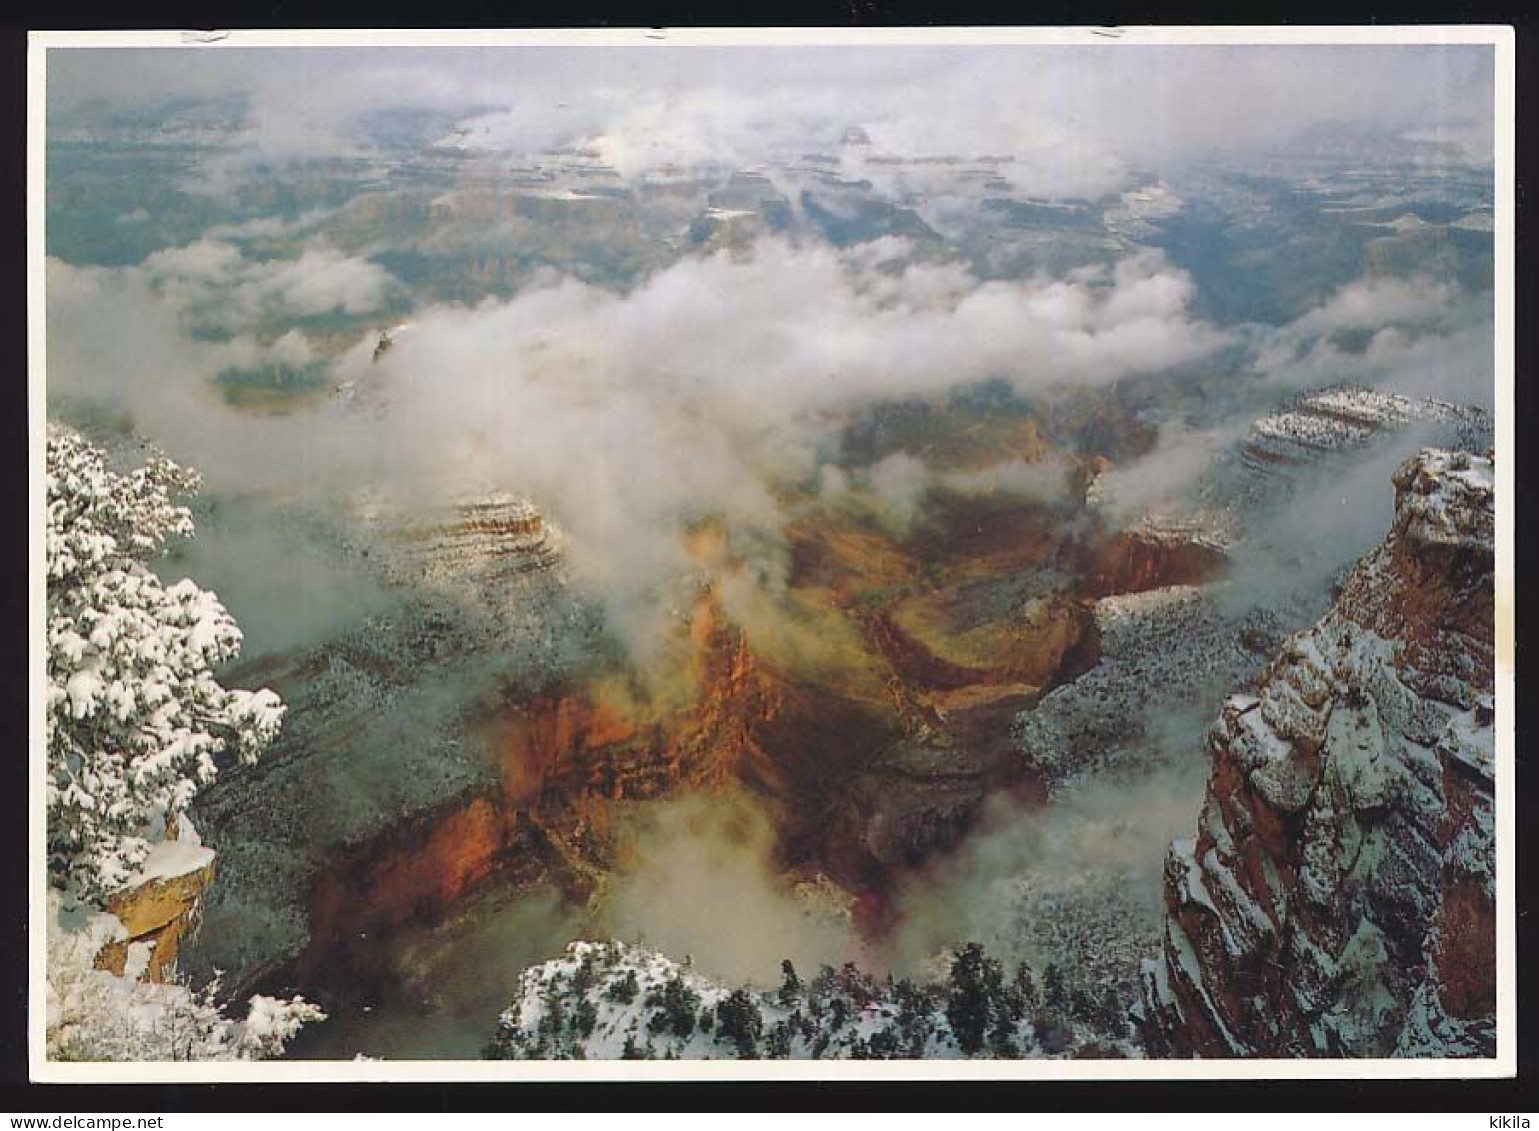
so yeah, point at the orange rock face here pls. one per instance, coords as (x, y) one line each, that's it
(566, 759)
(159, 913)
(1339, 896)
(869, 714)
(421, 871)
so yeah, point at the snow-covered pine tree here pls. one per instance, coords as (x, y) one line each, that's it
(134, 714)
(134, 721)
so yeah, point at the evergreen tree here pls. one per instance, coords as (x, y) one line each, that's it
(133, 715)
(134, 721)
(1082, 1005)
(790, 985)
(778, 1045)
(623, 990)
(585, 974)
(914, 1016)
(884, 1044)
(584, 1018)
(1002, 1042)
(976, 981)
(1026, 987)
(839, 1013)
(738, 1020)
(1054, 994)
(677, 1003)
(1112, 1016)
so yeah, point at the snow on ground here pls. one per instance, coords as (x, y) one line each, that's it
(1447, 499)
(168, 859)
(96, 1015)
(1168, 656)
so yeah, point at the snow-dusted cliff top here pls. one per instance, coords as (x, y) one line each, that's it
(1447, 498)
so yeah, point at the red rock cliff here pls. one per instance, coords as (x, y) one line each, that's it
(1339, 897)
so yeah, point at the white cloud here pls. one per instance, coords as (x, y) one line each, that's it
(1069, 121)
(228, 289)
(721, 377)
(1378, 301)
(900, 482)
(701, 393)
(1424, 338)
(1167, 474)
(117, 339)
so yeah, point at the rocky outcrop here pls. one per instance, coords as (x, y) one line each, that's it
(1349, 417)
(1339, 896)
(1137, 561)
(459, 600)
(567, 762)
(161, 909)
(482, 539)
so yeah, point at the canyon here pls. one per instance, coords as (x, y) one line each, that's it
(1000, 649)
(869, 718)
(1339, 898)
(695, 524)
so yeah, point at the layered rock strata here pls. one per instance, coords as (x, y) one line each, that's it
(1339, 898)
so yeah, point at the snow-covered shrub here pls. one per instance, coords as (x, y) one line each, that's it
(96, 1015)
(134, 714)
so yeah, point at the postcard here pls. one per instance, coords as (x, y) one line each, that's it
(701, 554)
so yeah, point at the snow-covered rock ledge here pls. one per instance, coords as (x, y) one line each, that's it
(1339, 897)
(160, 907)
(1447, 498)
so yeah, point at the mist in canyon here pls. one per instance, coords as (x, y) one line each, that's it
(859, 437)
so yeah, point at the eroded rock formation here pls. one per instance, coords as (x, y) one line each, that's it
(1339, 897)
(1137, 561)
(481, 539)
(161, 909)
(1349, 417)
(567, 760)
